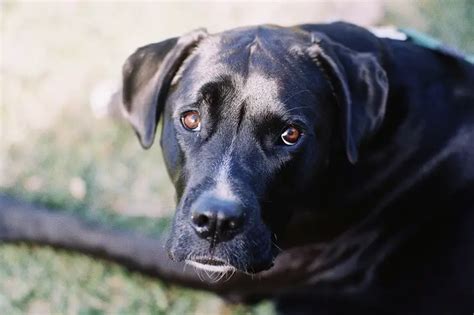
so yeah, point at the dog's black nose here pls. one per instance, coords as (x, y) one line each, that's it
(217, 219)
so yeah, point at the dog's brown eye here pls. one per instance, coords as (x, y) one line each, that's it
(191, 120)
(291, 135)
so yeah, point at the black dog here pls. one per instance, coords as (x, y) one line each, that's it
(339, 162)
(317, 134)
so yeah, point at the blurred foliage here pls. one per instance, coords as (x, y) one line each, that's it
(55, 151)
(450, 20)
(453, 21)
(104, 159)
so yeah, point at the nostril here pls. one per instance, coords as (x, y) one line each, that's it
(228, 225)
(203, 223)
(201, 220)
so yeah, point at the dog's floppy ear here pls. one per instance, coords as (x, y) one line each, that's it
(147, 76)
(360, 86)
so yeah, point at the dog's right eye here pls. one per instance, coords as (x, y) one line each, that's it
(191, 120)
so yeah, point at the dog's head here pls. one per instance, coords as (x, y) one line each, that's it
(250, 118)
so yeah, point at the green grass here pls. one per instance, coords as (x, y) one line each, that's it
(45, 281)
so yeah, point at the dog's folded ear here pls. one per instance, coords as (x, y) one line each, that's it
(360, 86)
(147, 76)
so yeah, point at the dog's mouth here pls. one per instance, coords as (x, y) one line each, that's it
(210, 264)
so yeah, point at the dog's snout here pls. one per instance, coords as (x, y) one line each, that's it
(216, 219)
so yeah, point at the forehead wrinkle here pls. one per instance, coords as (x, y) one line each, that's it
(254, 85)
(258, 90)
(272, 93)
(282, 59)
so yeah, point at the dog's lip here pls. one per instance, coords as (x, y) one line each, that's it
(210, 264)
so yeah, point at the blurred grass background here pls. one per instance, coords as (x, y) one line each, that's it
(60, 147)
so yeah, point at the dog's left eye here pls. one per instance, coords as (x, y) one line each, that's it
(291, 135)
(191, 120)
